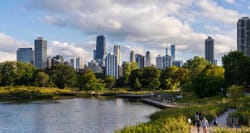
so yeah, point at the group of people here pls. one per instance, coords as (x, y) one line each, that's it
(201, 121)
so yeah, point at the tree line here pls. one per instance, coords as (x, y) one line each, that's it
(197, 75)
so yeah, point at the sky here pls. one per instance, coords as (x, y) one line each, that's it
(71, 26)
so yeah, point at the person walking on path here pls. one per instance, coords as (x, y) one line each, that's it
(197, 121)
(215, 121)
(205, 124)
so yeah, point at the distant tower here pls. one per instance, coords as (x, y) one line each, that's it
(243, 35)
(117, 53)
(148, 59)
(209, 49)
(132, 56)
(166, 51)
(100, 47)
(40, 53)
(25, 55)
(159, 62)
(94, 54)
(173, 52)
(79, 64)
(139, 60)
(111, 66)
(72, 63)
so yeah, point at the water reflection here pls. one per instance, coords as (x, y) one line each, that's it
(72, 116)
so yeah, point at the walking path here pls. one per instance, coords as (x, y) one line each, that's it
(222, 121)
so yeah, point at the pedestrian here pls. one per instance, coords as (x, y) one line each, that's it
(197, 121)
(215, 121)
(205, 124)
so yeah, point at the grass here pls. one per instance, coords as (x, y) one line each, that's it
(29, 93)
(175, 120)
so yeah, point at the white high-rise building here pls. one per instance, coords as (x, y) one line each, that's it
(79, 64)
(111, 65)
(148, 59)
(40, 53)
(117, 53)
(132, 56)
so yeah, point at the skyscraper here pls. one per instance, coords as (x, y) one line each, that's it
(166, 51)
(172, 47)
(163, 61)
(209, 49)
(94, 54)
(243, 35)
(139, 60)
(148, 59)
(79, 64)
(117, 53)
(25, 55)
(40, 53)
(100, 47)
(159, 62)
(58, 59)
(111, 66)
(132, 56)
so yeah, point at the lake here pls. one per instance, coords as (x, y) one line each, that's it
(80, 115)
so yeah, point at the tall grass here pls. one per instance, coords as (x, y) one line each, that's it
(23, 92)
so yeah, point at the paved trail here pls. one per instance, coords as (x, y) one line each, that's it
(222, 121)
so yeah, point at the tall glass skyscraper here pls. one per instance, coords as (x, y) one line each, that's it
(209, 49)
(243, 35)
(100, 47)
(139, 60)
(40, 53)
(172, 47)
(25, 55)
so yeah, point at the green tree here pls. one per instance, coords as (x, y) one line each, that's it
(209, 82)
(88, 81)
(136, 84)
(42, 78)
(24, 73)
(63, 76)
(235, 91)
(137, 73)
(237, 68)
(150, 79)
(169, 78)
(195, 66)
(8, 73)
(127, 69)
(110, 81)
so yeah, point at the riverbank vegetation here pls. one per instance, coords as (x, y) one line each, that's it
(32, 93)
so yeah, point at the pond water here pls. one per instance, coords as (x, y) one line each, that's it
(86, 115)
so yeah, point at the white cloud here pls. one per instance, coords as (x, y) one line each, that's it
(212, 10)
(145, 25)
(8, 47)
(68, 50)
(230, 1)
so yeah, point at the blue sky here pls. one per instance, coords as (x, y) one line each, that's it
(71, 27)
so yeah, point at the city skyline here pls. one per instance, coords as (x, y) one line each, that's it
(122, 24)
